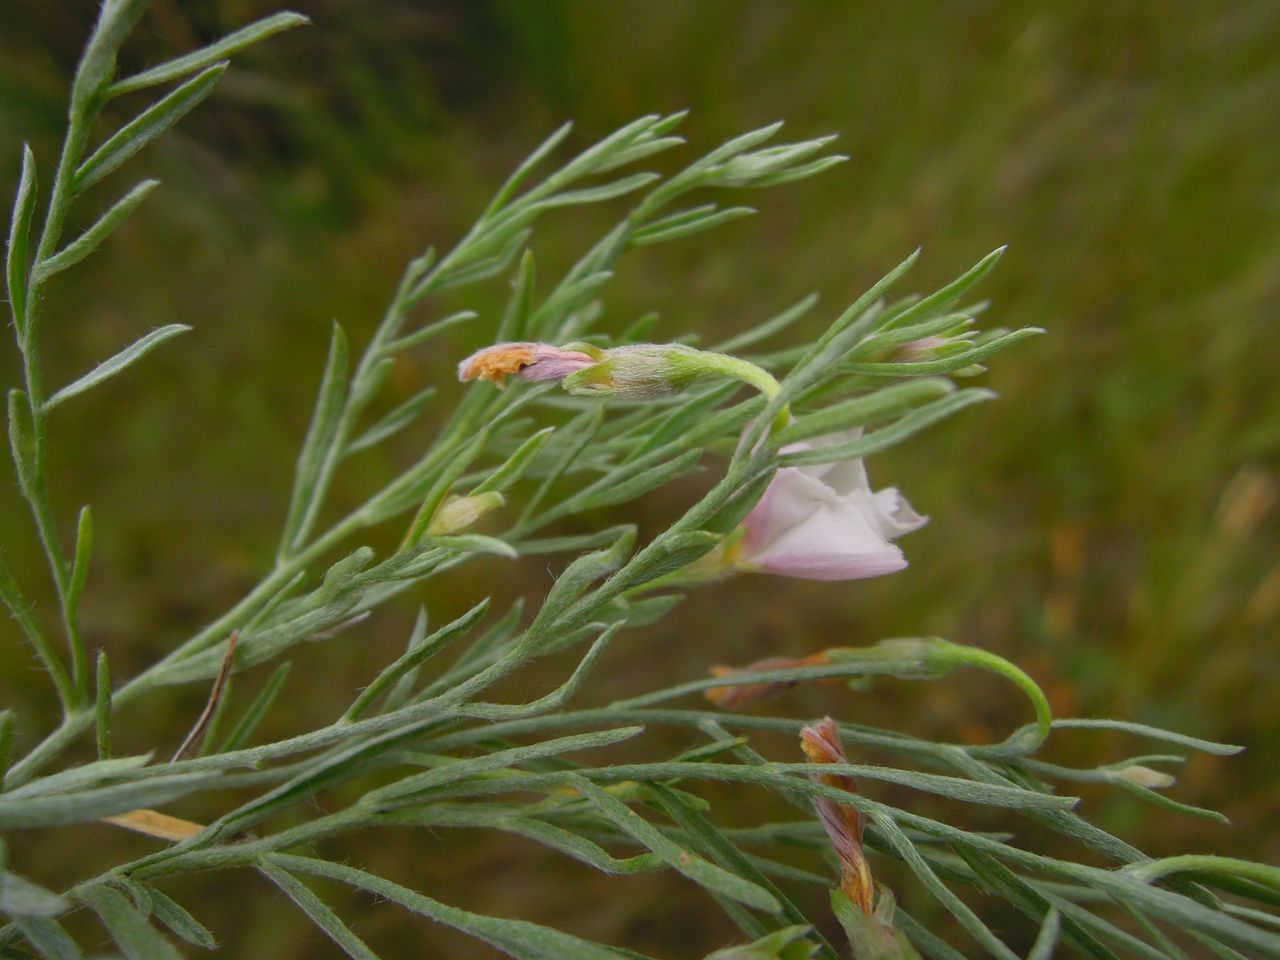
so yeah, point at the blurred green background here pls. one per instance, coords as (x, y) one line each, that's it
(1110, 524)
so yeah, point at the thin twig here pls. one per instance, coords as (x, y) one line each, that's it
(215, 694)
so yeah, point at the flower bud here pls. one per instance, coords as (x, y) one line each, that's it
(1144, 776)
(458, 513)
(743, 695)
(821, 744)
(534, 362)
(641, 371)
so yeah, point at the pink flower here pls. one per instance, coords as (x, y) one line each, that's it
(534, 362)
(824, 522)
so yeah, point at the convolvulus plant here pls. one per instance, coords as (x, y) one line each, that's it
(592, 418)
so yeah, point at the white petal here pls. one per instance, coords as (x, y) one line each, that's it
(790, 501)
(894, 515)
(836, 542)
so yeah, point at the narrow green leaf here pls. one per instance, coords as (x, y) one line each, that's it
(125, 358)
(577, 577)
(861, 411)
(665, 230)
(515, 318)
(518, 175)
(725, 852)
(318, 911)
(601, 192)
(667, 555)
(20, 897)
(952, 363)
(316, 448)
(498, 760)
(135, 937)
(102, 707)
(415, 656)
(639, 484)
(48, 937)
(578, 434)
(393, 422)
(6, 741)
(58, 809)
(250, 719)
(147, 126)
(903, 846)
(895, 433)
(1047, 939)
(81, 777)
(139, 893)
(99, 60)
(788, 943)
(549, 835)
(698, 869)
(422, 335)
(1154, 733)
(17, 263)
(17, 604)
(516, 464)
(199, 59)
(948, 295)
(1005, 884)
(92, 238)
(174, 916)
(80, 563)
(818, 354)
(767, 329)
(519, 938)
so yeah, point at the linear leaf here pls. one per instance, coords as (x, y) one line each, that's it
(99, 60)
(20, 897)
(767, 329)
(146, 127)
(903, 846)
(250, 719)
(81, 777)
(516, 464)
(698, 869)
(92, 238)
(315, 448)
(174, 916)
(135, 937)
(318, 911)
(519, 938)
(869, 408)
(125, 358)
(198, 59)
(498, 760)
(16, 262)
(946, 296)
(48, 937)
(102, 707)
(415, 656)
(1047, 939)
(1154, 733)
(393, 422)
(951, 363)
(895, 433)
(679, 226)
(48, 811)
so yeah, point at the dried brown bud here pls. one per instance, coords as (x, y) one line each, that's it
(743, 695)
(844, 824)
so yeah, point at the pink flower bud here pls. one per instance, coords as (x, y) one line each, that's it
(534, 362)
